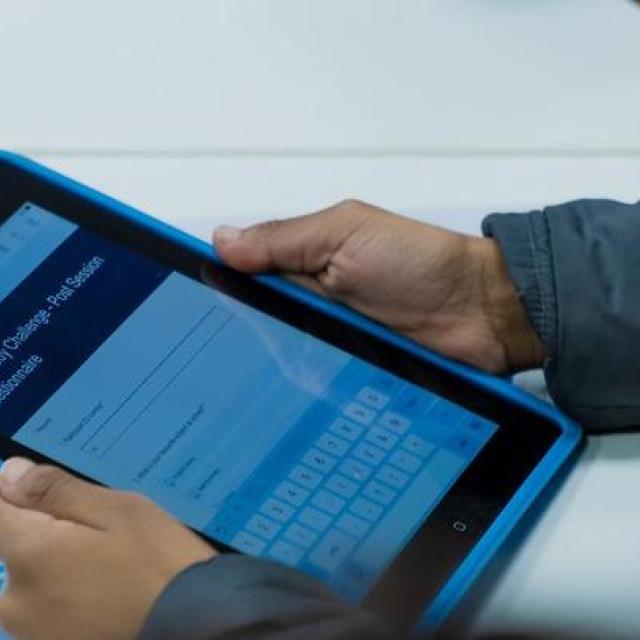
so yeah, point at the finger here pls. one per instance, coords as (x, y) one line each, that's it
(308, 282)
(297, 245)
(17, 525)
(209, 276)
(51, 490)
(7, 614)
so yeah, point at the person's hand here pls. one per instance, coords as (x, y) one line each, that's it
(83, 561)
(448, 291)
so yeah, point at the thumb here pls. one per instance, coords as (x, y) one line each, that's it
(51, 490)
(301, 245)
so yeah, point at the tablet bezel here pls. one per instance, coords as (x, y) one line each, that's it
(478, 497)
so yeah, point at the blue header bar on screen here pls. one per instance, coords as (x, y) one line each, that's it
(60, 314)
(26, 239)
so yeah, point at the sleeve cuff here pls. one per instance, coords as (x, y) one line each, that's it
(525, 244)
(239, 596)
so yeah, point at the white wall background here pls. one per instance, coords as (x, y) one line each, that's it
(206, 111)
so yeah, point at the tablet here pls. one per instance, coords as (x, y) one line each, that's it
(272, 421)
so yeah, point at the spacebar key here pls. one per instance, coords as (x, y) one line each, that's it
(332, 550)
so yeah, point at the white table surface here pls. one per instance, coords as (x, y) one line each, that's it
(235, 111)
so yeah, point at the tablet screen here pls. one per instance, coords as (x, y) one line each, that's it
(262, 436)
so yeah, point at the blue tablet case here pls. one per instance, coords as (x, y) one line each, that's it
(470, 568)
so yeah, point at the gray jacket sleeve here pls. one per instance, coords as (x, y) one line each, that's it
(236, 596)
(577, 271)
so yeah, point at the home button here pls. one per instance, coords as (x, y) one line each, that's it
(460, 526)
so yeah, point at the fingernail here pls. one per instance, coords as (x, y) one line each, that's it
(13, 469)
(227, 234)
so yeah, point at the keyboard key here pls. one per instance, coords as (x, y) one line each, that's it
(263, 527)
(379, 492)
(372, 398)
(385, 381)
(355, 469)
(463, 443)
(248, 543)
(300, 535)
(382, 438)
(319, 460)
(332, 550)
(405, 461)
(291, 493)
(277, 510)
(366, 509)
(359, 413)
(315, 519)
(346, 429)
(392, 476)
(332, 444)
(446, 412)
(342, 486)
(352, 525)
(394, 422)
(368, 453)
(413, 403)
(306, 477)
(476, 424)
(286, 553)
(328, 501)
(418, 445)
